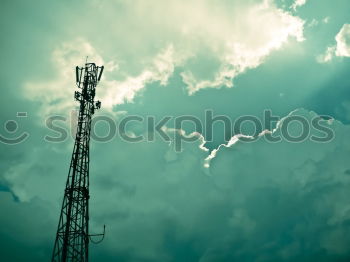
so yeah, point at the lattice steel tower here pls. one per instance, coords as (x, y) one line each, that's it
(72, 238)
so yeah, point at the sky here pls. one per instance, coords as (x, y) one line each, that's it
(222, 194)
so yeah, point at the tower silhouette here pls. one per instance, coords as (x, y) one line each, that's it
(72, 238)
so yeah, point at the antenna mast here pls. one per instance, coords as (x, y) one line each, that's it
(72, 238)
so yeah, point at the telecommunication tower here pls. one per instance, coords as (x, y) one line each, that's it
(72, 238)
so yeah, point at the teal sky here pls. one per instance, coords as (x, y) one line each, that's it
(216, 200)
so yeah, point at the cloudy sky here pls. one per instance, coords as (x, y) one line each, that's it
(216, 199)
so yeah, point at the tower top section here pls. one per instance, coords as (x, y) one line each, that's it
(93, 71)
(87, 78)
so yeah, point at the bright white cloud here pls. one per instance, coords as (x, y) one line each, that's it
(212, 43)
(116, 92)
(261, 29)
(343, 41)
(341, 48)
(297, 4)
(56, 95)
